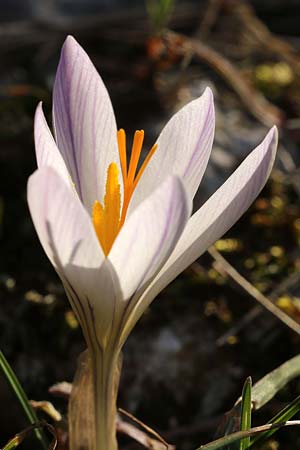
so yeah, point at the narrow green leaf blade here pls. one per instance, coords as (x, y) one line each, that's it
(262, 392)
(284, 415)
(268, 386)
(19, 437)
(234, 437)
(12, 443)
(22, 397)
(246, 412)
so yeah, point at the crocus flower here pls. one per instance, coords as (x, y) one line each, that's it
(118, 232)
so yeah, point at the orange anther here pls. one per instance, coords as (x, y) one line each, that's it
(108, 217)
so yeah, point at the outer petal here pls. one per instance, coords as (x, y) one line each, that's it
(149, 236)
(184, 147)
(67, 235)
(47, 153)
(84, 122)
(215, 217)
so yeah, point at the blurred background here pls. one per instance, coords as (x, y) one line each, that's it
(187, 359)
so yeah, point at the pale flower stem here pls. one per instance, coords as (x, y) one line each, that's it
(106, 375)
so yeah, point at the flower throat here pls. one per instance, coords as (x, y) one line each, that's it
(109, 217)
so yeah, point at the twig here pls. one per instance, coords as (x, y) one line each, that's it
(242, 323)
(223, 265)
(48, 408)
(62, 389)
(148, 429)
(257, 310)
(255, 103)
(206, 426)
(260, 32)
(210, 17)
(231, 438)
(140, 436)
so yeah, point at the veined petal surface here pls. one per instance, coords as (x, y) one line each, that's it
(212, 220)
(149, 236)
(69, 240)
(184, 147)
(47, 153)
(84, 122)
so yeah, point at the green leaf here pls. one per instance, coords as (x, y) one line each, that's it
(13, 443)
(22, 397)
(284, 415)
(262, 392)
(268, 386)
(234, 437)
(19, 438)
(159, 12)
(246, 412)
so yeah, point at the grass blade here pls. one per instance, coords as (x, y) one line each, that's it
(234, 437)
(19, 437)
(262, 392)
(268, 386)
(246, 412)
(284, 415)
(22, 397)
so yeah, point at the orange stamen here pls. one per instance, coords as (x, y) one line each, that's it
(107, 217)
(121, 136)
(132, 181)
(98, 218)
(144, 165)
(135, 155)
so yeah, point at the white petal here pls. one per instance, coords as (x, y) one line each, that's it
(215, 217)
(84, 122)
(184, 147)
(47, 153)
(67, 235)
(149, 236)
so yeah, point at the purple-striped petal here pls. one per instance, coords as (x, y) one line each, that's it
(47, 153)
(211, 221)
(69, 240)
(184, 147)
(149, 236)
(84, 122)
